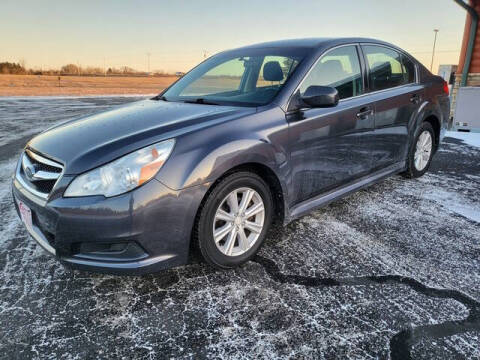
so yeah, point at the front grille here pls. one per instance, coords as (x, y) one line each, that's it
(38, 174)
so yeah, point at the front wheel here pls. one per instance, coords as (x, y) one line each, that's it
(234, 220)
(421, 153)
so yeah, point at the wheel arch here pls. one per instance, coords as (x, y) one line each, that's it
(435, 122)
(277, 189)
(263, 171)
(428, 113)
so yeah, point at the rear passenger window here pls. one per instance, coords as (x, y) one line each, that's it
(338, 68)
(386, 68)
(408, 69)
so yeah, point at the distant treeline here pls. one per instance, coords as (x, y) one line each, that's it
(73, 69)
(12, 68)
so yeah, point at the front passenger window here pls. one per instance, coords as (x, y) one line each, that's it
(339, 68)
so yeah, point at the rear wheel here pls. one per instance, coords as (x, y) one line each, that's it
(421, 153)
(234, 220)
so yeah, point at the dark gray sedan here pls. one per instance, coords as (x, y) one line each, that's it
(253, 135)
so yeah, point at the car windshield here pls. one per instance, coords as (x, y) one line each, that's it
(249, 77)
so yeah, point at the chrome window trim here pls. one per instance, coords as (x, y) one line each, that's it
(402, 53)
(315, 64)
(378, 91)
(366, 64)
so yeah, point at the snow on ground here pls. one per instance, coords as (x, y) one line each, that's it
(469, 138)
(391, 271)
(456, 204)
(23, 117)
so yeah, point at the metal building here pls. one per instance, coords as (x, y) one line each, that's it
(468, 72)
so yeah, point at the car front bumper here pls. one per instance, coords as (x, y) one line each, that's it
(142, 231)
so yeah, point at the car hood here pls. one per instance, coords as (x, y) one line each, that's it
(85, 143)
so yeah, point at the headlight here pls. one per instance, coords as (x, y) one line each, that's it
(124, 174)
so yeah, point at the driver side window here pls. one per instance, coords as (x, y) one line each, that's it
(284, 64)
(338, 68)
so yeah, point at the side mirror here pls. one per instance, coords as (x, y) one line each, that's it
(320, 96)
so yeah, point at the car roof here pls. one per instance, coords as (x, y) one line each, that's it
(313, 42)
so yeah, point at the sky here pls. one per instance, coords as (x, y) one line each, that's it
(177, 34)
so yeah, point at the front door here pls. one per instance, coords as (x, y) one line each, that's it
(330, 147)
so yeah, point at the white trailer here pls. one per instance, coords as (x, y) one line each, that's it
(467, 109)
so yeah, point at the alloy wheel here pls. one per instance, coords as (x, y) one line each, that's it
(238, 221)
(423, 150)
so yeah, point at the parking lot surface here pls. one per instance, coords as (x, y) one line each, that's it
(392, 271)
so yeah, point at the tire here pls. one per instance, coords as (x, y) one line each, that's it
(223, 253)
(413, 168)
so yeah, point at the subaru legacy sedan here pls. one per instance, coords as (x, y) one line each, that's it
(250, 136)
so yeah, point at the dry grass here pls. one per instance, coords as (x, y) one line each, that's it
(40, 85)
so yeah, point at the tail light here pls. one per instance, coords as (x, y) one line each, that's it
(445, 87)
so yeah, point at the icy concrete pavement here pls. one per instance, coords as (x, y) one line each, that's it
(391, 271)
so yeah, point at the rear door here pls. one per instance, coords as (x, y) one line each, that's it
(329, 147)
(397, 95)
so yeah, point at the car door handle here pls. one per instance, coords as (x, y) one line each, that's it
(364, 113)
(415, 99)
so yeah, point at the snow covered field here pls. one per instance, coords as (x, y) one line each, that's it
(391, 271)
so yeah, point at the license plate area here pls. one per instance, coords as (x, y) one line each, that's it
(25, 214)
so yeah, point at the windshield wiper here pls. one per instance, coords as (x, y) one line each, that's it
(160, 98)
(200, 101)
